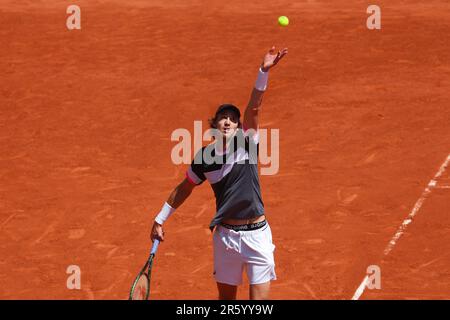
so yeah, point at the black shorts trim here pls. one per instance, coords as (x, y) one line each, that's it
(245, 227)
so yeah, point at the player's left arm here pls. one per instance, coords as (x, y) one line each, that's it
(271, 58)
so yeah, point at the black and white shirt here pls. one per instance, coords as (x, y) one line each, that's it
(233, 176)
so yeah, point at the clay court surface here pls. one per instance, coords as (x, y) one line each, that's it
(86, 118)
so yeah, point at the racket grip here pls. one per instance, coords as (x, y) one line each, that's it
(155, 246)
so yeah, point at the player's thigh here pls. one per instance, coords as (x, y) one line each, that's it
(228, 264)
(258, 251)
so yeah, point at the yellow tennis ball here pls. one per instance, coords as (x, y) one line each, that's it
(283, 21)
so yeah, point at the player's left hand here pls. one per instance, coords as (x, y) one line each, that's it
(272, 58)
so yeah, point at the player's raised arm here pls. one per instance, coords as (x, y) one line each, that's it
(271, 58)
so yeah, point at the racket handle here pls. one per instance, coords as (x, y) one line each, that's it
(155, 246)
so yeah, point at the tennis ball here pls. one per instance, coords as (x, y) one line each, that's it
(283, 21)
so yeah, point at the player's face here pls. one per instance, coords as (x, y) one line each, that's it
(227, 122)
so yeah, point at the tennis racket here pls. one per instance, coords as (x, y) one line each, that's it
(140, 290)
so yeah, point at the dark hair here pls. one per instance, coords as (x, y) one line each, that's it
(227, 106)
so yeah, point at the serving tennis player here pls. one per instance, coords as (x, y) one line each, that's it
(242, 238)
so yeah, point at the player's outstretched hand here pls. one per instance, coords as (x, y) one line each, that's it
(272, 58)
(157, 232)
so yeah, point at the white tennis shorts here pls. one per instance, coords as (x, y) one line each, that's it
(235, 251)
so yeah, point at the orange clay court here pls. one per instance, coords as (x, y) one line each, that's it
(86, 118)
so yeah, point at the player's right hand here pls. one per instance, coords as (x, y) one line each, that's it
(157, 232)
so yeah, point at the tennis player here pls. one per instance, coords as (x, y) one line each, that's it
(242, 236)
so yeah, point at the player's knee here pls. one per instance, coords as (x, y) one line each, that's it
(226, 291)
(260, 291)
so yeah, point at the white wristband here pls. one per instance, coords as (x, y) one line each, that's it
(261, 81)
(165, 213)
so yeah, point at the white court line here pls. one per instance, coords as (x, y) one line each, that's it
(361, 288)
(408, 220)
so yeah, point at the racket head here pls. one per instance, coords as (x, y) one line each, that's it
(141, 287)
(140, 290)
